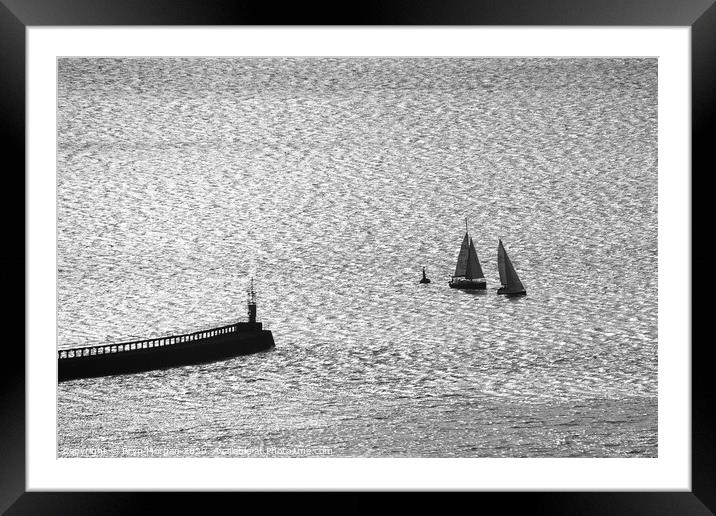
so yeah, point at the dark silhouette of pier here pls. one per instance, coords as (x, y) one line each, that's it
(210, 345)
(240, 338)
(154, 343)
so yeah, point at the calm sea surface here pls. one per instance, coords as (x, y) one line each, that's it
(332, 182)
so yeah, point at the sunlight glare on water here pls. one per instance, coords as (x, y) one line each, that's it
(333, 182)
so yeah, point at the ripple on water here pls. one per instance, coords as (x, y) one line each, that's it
(333, 182)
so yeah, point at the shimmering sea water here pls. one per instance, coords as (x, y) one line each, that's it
(333, 182)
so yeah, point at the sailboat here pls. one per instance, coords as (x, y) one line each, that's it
(511, 284)
(468, 273)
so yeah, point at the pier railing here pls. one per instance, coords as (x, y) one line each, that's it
(157, 342)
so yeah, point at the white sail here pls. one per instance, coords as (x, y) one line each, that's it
(473, 270)
(461, 266)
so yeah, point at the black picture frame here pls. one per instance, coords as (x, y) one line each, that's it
(17, 15)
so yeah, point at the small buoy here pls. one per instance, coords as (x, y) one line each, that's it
(425, 278)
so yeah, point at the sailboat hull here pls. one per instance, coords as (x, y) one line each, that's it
(468, 284)
(503, 292)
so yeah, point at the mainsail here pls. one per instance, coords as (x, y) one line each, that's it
(473, 269)
(508, 274)
(461, 267)
(501, 263)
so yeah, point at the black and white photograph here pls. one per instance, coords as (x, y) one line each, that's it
(438, 257)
